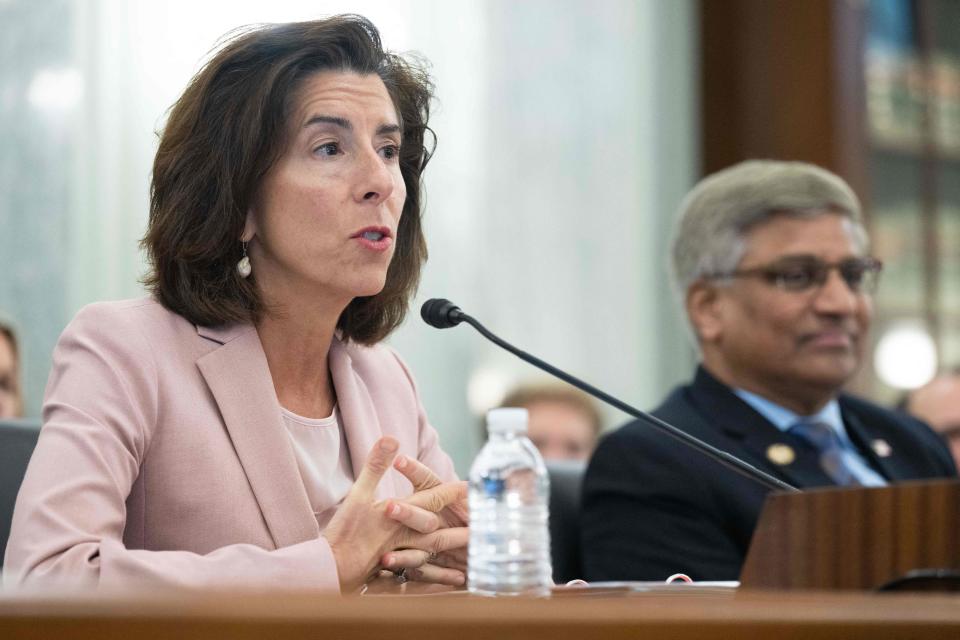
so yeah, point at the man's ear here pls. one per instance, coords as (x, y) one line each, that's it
(704, 310)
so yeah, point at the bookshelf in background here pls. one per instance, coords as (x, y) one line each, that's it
(871, 90)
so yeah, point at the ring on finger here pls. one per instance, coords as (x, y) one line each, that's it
(401, 576)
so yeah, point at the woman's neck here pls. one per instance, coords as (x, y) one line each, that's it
(296, 339)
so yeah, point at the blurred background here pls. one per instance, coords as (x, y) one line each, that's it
(568, 131)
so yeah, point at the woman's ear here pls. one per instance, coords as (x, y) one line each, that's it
(249, 226)
(704, 311)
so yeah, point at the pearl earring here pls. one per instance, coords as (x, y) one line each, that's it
(243, 266)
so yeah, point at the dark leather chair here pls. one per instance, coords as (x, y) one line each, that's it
(17, 440)
(566, 479)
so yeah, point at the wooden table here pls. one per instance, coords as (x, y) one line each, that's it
(677, 611)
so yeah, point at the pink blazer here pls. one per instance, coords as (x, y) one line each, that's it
(163, 458)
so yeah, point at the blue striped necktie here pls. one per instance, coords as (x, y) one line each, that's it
(824, 439)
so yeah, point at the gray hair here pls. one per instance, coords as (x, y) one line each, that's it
(710, 234)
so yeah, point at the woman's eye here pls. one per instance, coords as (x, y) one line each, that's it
(390, 151)
(327, 149)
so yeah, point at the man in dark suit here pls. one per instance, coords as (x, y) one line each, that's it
(770, 260)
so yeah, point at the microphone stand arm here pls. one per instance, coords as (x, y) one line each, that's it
(719, 455)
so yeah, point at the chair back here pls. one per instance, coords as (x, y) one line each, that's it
(17, 441)
(566, 480)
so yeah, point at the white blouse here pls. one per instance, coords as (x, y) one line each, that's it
(322, 455)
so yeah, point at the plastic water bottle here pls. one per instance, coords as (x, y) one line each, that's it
(509, 551)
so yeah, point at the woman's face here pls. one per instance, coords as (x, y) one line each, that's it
(325, 220)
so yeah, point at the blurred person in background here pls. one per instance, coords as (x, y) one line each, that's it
(938, 404)
(771, 263)
(244, 426)
(564, 422)
(11, 394)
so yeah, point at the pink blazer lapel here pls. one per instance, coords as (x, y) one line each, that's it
(361, 424)
(239, 378)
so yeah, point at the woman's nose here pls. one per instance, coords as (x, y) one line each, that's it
(375, 181)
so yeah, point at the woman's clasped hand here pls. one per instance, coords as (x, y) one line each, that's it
(426, 533)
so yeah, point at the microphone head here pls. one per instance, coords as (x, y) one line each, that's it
(441, 313)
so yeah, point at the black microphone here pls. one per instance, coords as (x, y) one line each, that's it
(443, 314)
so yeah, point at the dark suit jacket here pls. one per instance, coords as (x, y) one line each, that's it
(653, 507)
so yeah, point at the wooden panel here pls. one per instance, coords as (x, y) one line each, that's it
(678, 613)
(775, 83)
(854, 538)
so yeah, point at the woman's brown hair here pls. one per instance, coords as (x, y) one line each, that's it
(223, 135)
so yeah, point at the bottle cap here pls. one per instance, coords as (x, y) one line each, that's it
(507, 420)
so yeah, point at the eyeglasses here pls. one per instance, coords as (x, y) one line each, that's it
(807, 272)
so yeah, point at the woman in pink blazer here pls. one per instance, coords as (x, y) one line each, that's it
(242, 426)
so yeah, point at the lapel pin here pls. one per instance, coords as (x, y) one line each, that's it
(781, 454)
(882, 448)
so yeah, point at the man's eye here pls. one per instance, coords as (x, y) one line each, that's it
(327, 149)
(794, 276)
(853, 274)
(390, 151)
